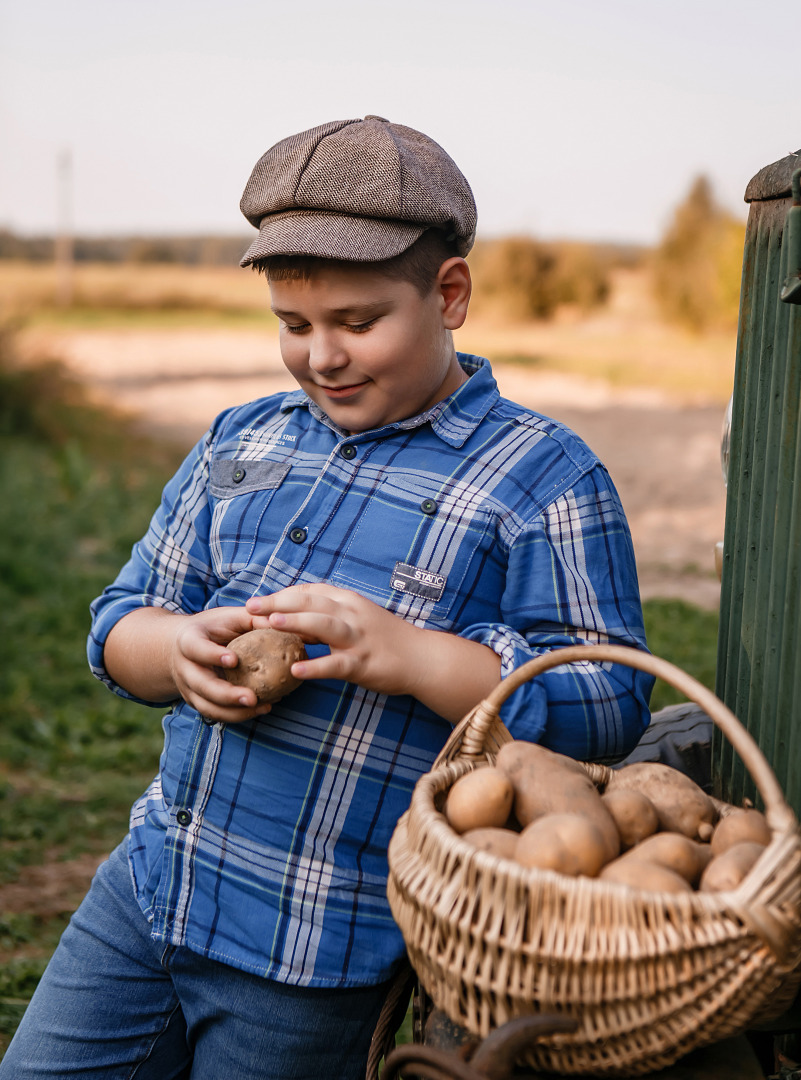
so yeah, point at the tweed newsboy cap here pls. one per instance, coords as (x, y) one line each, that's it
(359, 190)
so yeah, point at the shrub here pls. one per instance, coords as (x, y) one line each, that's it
(520, 278)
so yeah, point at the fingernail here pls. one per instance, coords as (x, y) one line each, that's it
(277, 619)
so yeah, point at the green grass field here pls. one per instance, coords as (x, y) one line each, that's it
(78, 490)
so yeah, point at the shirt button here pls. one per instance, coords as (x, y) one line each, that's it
(297, 536)
(428, 506)
(184, 817)
(348, 451)
(238, 475)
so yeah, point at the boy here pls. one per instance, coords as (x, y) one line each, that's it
(424, 537)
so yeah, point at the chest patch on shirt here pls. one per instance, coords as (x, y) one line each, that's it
(237, 476)
(414, 579)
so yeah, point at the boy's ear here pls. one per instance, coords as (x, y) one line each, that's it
(454, 285)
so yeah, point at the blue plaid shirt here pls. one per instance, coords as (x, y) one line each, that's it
(263, 844)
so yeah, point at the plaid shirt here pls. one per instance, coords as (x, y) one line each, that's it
(263, 844)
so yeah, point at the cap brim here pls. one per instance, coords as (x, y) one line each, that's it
(331, 236)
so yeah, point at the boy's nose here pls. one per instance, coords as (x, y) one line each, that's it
(325, 354)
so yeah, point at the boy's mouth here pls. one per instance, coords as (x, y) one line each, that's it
(338, 392)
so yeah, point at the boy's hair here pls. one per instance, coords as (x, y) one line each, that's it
(418, 264)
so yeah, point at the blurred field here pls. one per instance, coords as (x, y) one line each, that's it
(624, 343)
(142, 293)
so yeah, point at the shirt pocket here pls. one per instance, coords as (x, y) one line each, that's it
(241, 492)
(417, 552)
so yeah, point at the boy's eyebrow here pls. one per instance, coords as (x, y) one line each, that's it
(366, 308)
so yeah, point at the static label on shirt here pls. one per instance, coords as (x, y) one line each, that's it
(414, 579)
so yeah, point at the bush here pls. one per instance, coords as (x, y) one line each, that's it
(520, 278)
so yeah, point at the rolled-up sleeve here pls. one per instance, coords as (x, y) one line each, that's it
(169, 567)
(572, 580)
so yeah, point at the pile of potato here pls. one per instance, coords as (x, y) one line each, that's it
(652, 828)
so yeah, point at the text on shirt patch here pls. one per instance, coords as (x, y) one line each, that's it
(248, 434)
(413, 579)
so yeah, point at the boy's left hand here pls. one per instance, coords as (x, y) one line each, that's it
(379, 650)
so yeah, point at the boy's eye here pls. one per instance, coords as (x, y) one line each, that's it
(297, 328)
(360, 328)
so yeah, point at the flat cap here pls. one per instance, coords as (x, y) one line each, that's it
(359, 190)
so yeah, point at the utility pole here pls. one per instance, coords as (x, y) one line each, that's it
(64, 247)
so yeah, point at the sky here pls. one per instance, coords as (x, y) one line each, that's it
(582, 119)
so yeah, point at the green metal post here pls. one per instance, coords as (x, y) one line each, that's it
(759, 643)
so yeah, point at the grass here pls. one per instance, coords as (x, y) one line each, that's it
(79, 488)
(686, 636)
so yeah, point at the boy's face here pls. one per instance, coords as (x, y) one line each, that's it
(367, 349)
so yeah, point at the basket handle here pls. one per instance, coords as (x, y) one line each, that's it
(474, 728)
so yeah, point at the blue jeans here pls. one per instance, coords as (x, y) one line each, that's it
(115, 1005)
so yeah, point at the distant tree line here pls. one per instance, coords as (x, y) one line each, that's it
(201, 250)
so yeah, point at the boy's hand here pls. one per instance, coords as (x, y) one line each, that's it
(378, 650)
(369, 645)
(160, 655)
(199, 651)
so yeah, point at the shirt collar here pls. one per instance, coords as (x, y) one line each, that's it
(454, 419)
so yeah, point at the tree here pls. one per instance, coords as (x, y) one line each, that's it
(696, 268)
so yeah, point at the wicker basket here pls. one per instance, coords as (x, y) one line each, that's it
(648, 976)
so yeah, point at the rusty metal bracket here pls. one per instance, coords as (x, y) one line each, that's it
(458, 1058)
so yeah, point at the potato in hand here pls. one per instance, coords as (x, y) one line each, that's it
(265, 659)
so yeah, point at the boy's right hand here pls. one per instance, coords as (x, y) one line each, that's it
(159, 655)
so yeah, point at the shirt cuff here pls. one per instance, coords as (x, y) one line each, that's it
(525, 712)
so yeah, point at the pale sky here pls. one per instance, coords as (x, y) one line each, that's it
(586, 119)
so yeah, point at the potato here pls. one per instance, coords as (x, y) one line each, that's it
(639, 874)
(479, 799)
(685, 857)
(680, 803)
(568, 843)
(513, 755)
(265, 657)
(499, 842)
(549, 783)
(633, 813)
(728, 869)
(737, 826)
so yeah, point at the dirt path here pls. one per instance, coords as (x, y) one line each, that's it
(663, 457)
